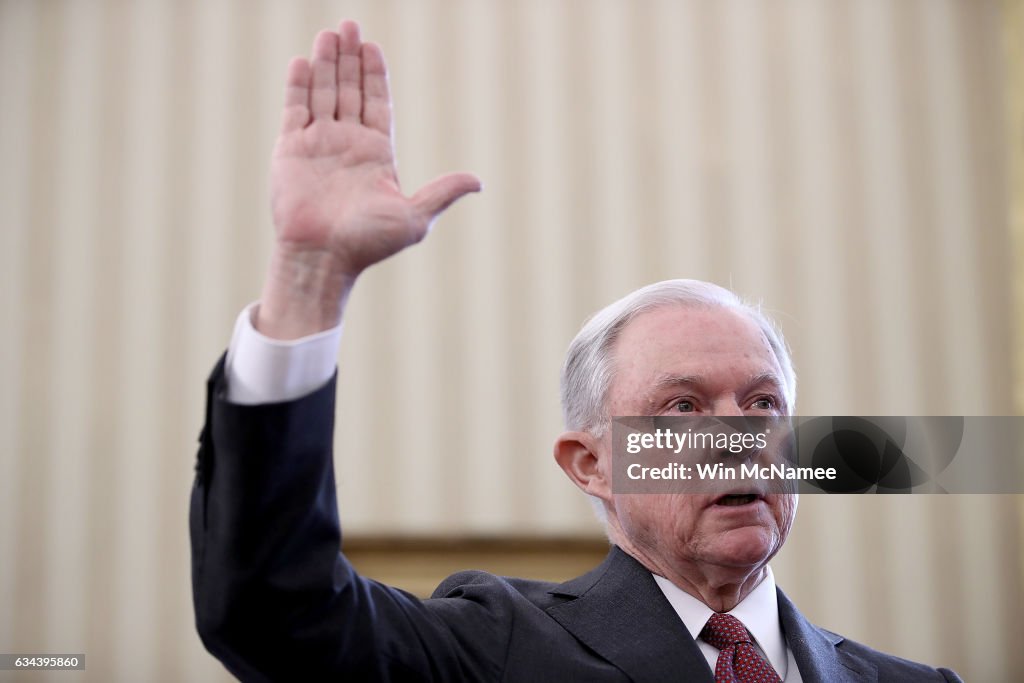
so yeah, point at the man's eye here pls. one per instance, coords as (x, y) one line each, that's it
(685, 406)
(764, 403)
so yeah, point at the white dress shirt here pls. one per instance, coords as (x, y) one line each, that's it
(759, 612)
(264, 370)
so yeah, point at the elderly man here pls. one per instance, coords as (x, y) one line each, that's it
(685, 592)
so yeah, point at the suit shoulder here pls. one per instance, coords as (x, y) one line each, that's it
(891, 667)
(475, 584)
(814, 646)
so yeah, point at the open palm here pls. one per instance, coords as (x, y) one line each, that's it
(334, 187)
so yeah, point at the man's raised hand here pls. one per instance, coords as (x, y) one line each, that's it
(336, 202)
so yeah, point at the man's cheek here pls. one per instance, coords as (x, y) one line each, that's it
(785, 515)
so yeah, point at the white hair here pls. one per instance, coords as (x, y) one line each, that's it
(589, 363)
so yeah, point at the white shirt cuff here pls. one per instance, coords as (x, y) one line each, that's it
(264, 370)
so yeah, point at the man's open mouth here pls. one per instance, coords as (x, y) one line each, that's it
(733, 499)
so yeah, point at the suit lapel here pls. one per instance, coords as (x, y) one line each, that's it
(816, 652)
(620, 613)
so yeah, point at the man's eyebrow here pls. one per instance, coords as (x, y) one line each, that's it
(766, 378)
(775, 383)
(674, 380)
(671, 380)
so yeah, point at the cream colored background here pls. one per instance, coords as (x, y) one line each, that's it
(843, 161)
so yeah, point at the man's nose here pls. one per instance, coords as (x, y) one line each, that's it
(727, 408)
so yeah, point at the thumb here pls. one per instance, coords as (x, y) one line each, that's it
(440, 193)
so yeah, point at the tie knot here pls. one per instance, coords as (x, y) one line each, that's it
(724, 630)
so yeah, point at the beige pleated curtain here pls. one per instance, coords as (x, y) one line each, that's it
(846, 163)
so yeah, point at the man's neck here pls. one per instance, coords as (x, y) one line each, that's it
(720, 588)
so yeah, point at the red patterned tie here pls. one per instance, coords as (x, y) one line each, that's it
(738, 661)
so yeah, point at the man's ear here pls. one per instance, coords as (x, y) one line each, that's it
(576, 453)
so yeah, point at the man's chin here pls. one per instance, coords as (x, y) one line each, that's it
(749, 546)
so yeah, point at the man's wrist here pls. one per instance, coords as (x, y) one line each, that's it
(304, 294)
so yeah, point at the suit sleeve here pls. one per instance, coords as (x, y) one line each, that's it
(274, 598)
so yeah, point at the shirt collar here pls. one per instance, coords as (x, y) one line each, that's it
(759, 612)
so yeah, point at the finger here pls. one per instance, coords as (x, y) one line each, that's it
(350, 95)
(323, 98)
(296, 95)
(438, 195)
(376, 93)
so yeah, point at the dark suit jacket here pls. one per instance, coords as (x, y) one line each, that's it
(275, 600)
